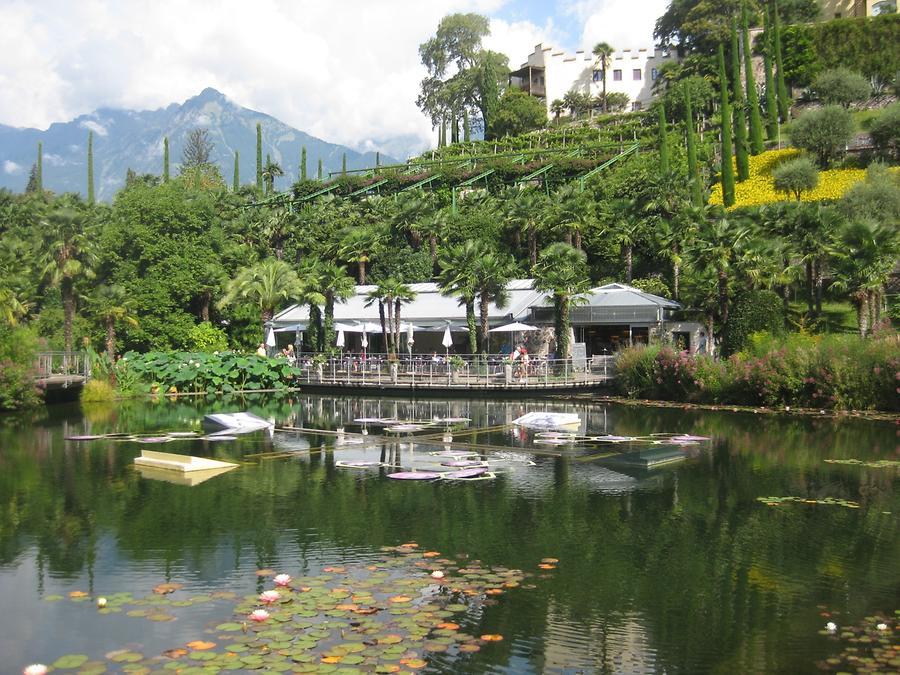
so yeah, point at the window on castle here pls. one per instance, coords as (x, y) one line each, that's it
(617, 76)
(636, 74)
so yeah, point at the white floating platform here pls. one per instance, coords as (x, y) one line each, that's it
(169, 461)
(236, 423)
(549, 420)
(178, 477)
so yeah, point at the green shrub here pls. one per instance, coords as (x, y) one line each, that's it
(18, 390)
(841, 86)
(211, 373)
(752, 312)
(652, 285)
(204, 337)
(634, 371)
(824, 132)
(885, 131)
(795, 177)
(97, 390)
(877, 198)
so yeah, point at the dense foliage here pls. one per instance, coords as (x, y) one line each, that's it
(833, 372)
(18, 390)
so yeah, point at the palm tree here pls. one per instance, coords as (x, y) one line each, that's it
(491, 272)
(557, 108)
(112, 305)
(457, 278)
(527, 211)
(603, 50)
(12, 307)
(575, 213)
(309, 274)
(562, 271)
(358, 245)
(675, 219)
(335, 286)
(573, 101)
(815, 236)
(869, 256)
(625, 227)
(391, 295)
(267, 284)
(272, 229)
(69, 253)
(717, 247)
(271, 170)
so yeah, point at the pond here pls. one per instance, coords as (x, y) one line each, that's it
(629, 554)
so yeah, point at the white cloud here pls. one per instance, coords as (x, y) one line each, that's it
(96, 127)
(625, 24)
(11, 167)
(345, 71)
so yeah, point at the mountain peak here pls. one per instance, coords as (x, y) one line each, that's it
(208, 94)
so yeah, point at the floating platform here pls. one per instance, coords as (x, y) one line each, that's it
(180, 464)
(236, 423)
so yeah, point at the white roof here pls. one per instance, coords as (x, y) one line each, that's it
(429, 309)
(622, 295)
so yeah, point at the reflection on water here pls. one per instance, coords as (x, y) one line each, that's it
(668, 561)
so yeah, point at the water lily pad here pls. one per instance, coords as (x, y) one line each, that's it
(228, 627)
(70, 662)
(126, 657)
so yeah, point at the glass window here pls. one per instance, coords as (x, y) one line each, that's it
(617, 75)
(653, 73)
(636, 73)
(637, 105)
(597, 76)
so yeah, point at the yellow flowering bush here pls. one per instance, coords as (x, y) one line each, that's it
(759, 189)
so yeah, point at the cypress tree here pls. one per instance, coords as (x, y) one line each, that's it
(466, 126)
(740, 119)
(663, 140)
(727, 168)
(344, 164)
(771, 105)
(39, 174)
(165, 159)
(756, 134)
(236, 179)
(693, 169)
(454, 129)
(784, 101)
(259, 164)
(303, 163)
(90, 185)
(377, 158)
(320, 168)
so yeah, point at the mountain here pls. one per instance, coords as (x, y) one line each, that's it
(130, 139)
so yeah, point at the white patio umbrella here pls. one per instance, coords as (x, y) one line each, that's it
(514, 328)
(447, 341)
(340, 339)
(270, 337)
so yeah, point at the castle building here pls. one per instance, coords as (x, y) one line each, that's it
(845, 9)
(550, 74)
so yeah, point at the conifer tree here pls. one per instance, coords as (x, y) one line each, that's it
(693, 169)
(740, 120)
(466, 126)
(90, 176)
(377, 158)
(756, 134)
(39, 173)
(320, 169)
(725, 109)
(303, 163)
(236, 178)
(165, 159)
(771, 105)
(344, 164)
(259, 164)
(663, 140)
(784, 101)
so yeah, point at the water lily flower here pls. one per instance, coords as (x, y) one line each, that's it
(101, 603)
(437, 574)
(259, 615)
(831, 626)
(35, 669)
(268, 597)
(882, 626)
(282, 580)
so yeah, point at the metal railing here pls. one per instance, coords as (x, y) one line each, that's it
(62, 364)
(460, 371)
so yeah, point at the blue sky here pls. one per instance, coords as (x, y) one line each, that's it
(346, 71)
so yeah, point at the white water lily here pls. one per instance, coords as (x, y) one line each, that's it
(282, 580)
(882, 626)
(259, 615)
(35, 669)
(437, 574)
(101, 603)
(268, 597)
(831, 626)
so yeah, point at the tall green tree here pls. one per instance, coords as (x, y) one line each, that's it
(271, 170)
(717, 248)
(693, 168)
(562, 271)
(90, 168)
(491, 274)
(344, 164)
(771, 103)
(784, 100)
(741, 151)
(39, 174)
(663, 139)
(259, 155)
(390, 294)
(268, 284)
(603, 51)
(319, 172)
(457, 278)
(69, 254)
(756, 132)
(336, 286)
(727, 169)
(303, 163)
(236, 178)
(165, 159)
(112, 305)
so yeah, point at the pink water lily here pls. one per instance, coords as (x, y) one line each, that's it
(35, 669)
(283, 580)
(259, 615)
(268, 597)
